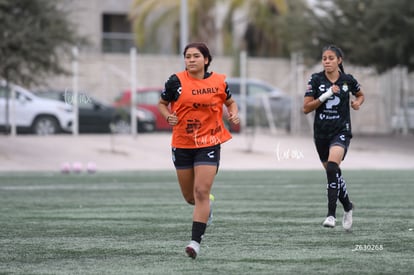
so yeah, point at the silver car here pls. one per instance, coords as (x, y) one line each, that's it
(265, 103)
(404, 117)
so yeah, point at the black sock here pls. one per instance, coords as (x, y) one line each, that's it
(343, 193)
(332, 176)
(198, 231)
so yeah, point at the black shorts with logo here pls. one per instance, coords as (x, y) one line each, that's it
(323, 145)
(184, 158)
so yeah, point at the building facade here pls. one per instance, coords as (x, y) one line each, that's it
(105, 66)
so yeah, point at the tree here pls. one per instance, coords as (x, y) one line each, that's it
(156, 21)
(34, 36)
(371, 33)
(263, 33)
(295, 30)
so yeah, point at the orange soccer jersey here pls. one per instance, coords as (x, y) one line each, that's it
(200, 109)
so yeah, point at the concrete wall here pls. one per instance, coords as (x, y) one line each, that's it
(87, 17)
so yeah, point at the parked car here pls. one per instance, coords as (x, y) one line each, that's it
(404, 117)
(147, 99)
(33, 114)
(97, 117)
(257, 94)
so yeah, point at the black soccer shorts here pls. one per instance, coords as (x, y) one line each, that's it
(184, 158)
(323, 145)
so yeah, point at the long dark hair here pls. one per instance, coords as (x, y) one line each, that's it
(339, 54)
(204, 51)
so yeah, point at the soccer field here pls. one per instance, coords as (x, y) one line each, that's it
(265, 222)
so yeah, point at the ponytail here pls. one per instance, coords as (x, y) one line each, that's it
(341, 67)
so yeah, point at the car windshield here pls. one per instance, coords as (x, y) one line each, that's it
(410, 104)
(51, 95)
(257, 89)
(149, 97)
(253, 89)
(3, 92)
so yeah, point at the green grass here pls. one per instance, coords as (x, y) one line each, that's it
(265, 222)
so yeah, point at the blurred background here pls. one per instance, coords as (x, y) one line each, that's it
(70, 65)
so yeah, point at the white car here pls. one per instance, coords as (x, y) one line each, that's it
(33, 114)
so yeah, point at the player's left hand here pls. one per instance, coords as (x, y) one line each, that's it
(355, 104)
(234, 118)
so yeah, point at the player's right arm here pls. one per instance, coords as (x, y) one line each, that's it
(312, 101)
(310, 104)
(170, 93)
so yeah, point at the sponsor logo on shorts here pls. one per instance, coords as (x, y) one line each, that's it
(211, 154)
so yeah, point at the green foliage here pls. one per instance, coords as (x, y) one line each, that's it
(295, 30)
(371, 33)
(262, 36)
(34, 36)
(153, 19)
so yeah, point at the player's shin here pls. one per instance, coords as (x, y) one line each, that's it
(197, 231)
(332, 188)
(343, 193)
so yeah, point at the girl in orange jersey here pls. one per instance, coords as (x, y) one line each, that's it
(192, 102)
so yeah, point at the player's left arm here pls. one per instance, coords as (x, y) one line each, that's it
(231, 105)
(233, 110)
(358, 100)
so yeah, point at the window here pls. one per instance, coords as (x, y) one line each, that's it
(3, 92)
(117, 36)
(149, 97)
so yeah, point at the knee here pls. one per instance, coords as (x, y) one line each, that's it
(332, 168)
(201, 193)
(189, 198)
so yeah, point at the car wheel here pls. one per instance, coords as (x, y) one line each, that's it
(121, 127)
(45, 125)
